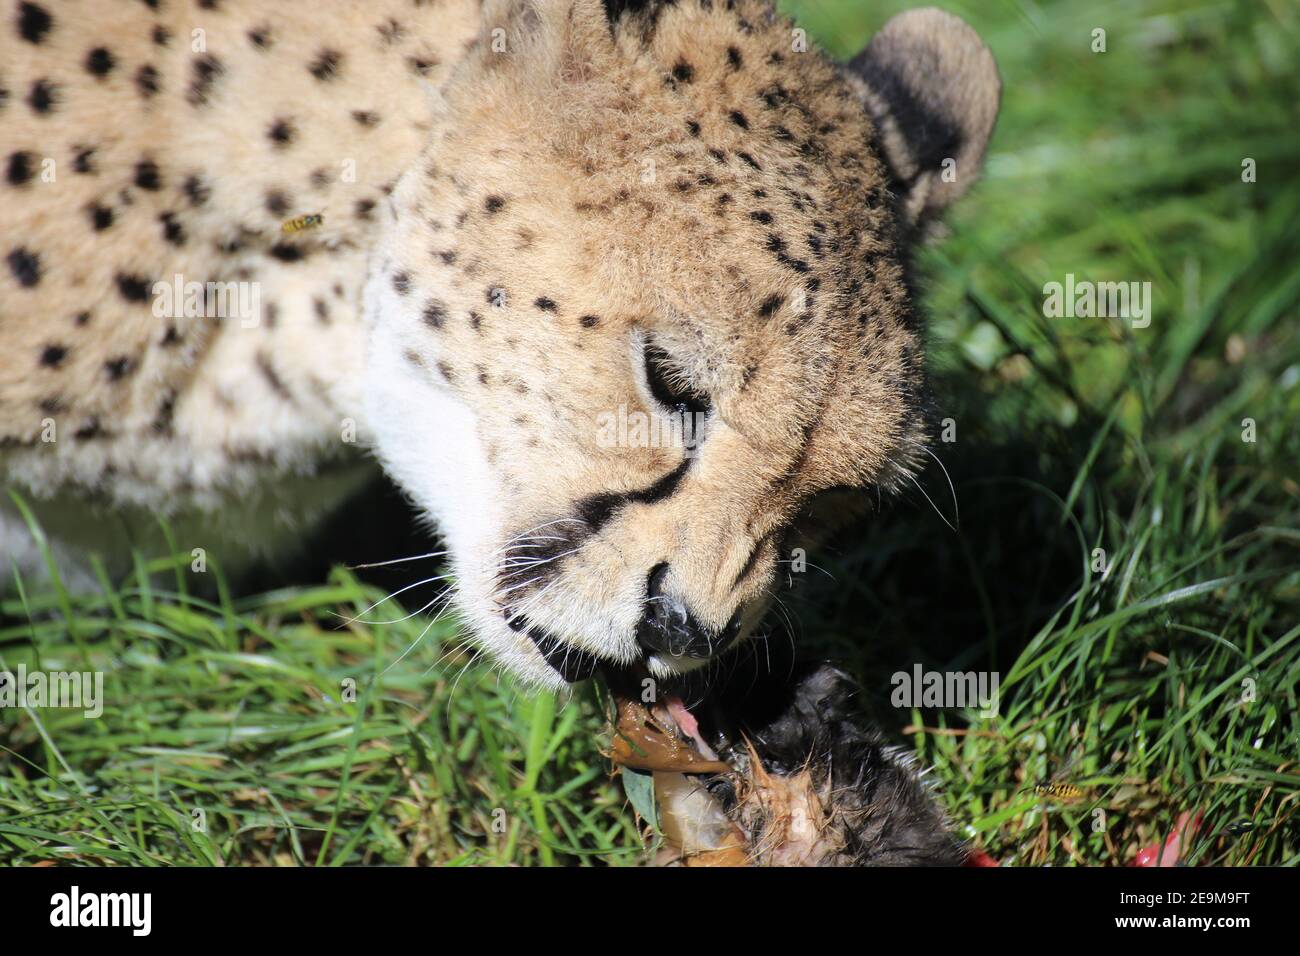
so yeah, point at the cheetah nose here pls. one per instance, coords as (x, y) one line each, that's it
(668, 627)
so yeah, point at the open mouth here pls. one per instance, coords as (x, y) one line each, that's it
(572, 663)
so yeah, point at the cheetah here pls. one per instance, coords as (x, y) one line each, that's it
(249, 250)
(252, 253)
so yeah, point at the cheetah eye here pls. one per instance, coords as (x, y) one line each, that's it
(668, 385)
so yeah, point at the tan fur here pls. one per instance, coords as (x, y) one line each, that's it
(685, 175)
(202, 402)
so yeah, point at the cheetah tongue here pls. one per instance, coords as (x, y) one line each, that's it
(688, 725)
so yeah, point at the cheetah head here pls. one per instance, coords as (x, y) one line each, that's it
(642, 302)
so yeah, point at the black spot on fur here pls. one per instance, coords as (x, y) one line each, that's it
(326, 65)
(118, 368)
(52, 356)
(84, 160)
(196, 190)
(545, 304)
(101, 217)
(146, 81)
(20, 168)
(401, 282)
(172, 230)
(364, 208)
(776, 245)
(132, 288)
(286, 252)
(367, 119)
(277, 202)
(146, 175)
(683, 72)
(43, 97)
(161, 36)
(282, 133)
(100, 62)
(589, 321)
(162, 423)
(25, 266)
(493, 204)
(434, 314)
(738, 118)
(33, 22)
(693, 127)
(770, 305)
(734, 59)
(260, 37)
(88, 429)
(761, 216)
(205, 71)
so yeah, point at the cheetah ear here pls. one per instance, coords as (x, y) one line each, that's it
(931, 86)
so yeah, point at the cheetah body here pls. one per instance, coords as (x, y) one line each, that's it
(512, 201)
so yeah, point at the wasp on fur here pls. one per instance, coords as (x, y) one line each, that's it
(302, 223)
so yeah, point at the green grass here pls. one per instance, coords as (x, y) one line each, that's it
(1072, 435)
(242, 710)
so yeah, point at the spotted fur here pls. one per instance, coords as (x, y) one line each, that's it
(518, 198)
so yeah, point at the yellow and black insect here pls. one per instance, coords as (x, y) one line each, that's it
(1057, 788)
(1064, 792)
(303, 223)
